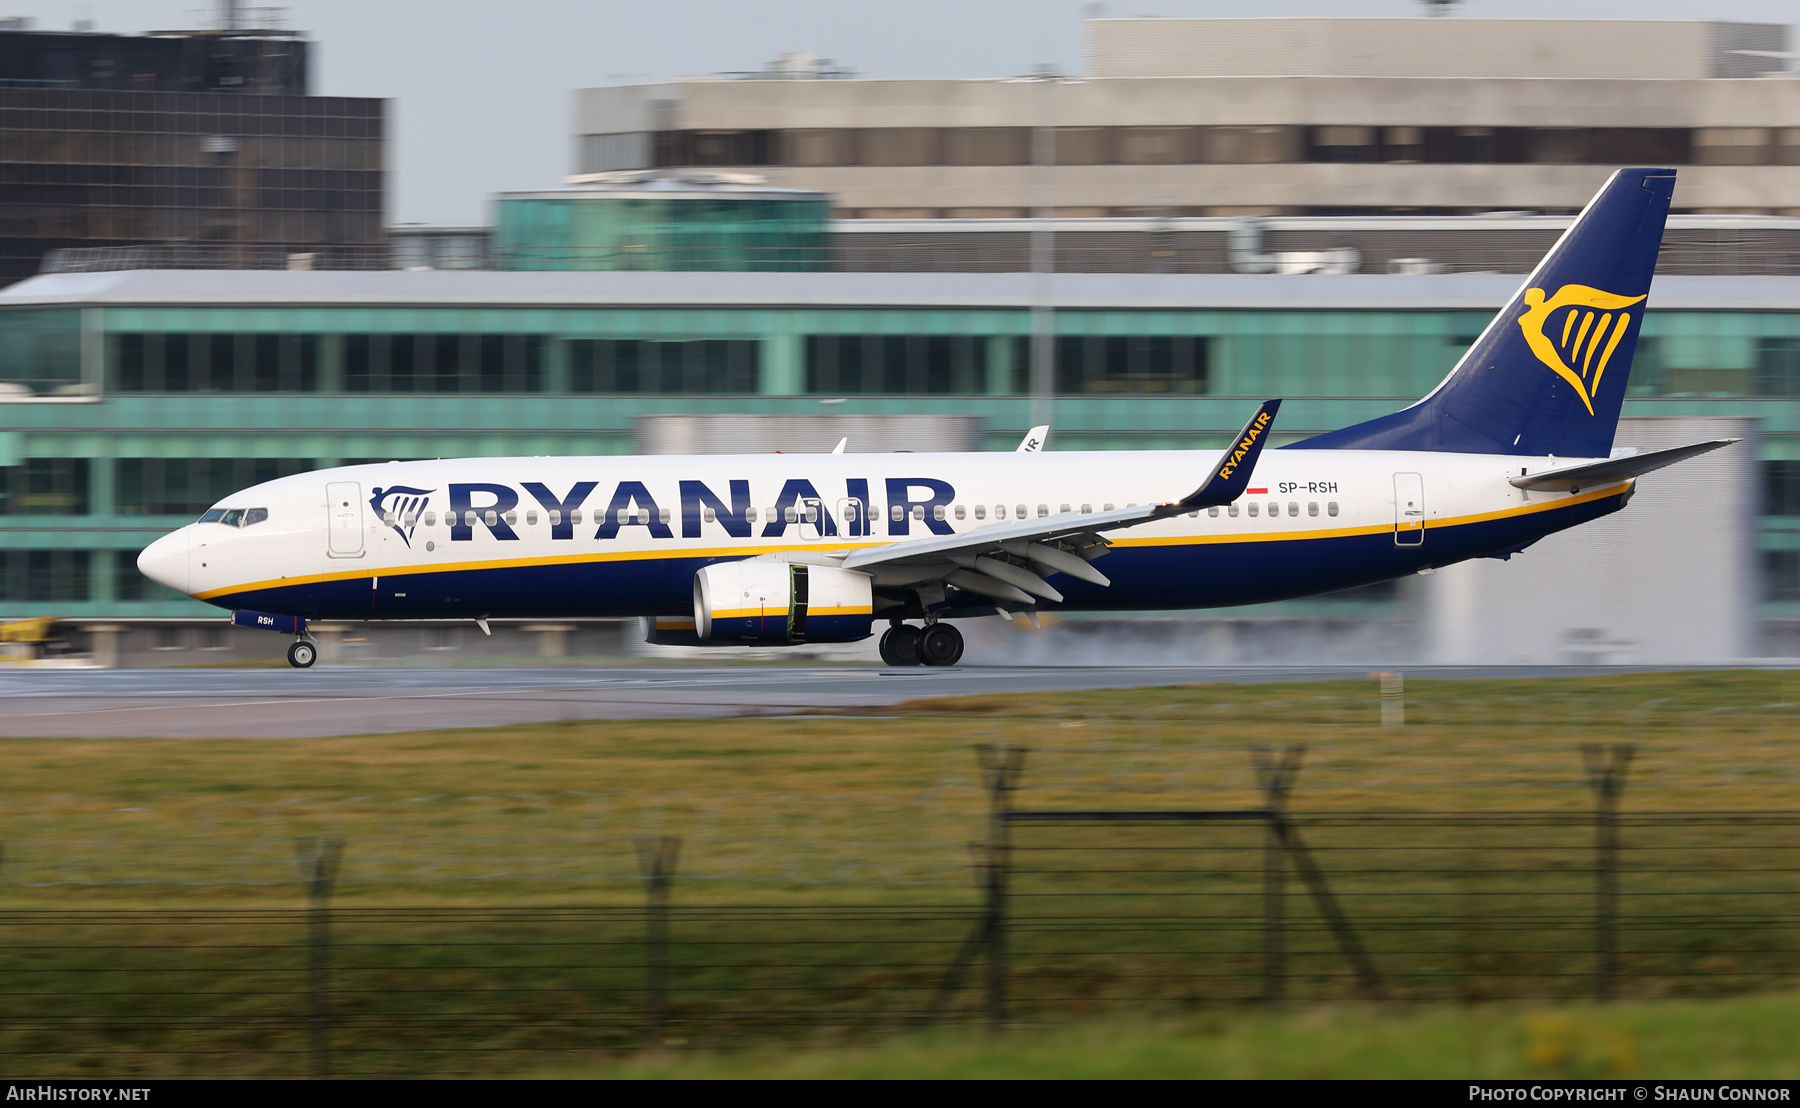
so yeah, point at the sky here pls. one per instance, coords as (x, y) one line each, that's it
(480, 92)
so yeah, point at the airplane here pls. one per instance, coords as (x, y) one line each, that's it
(780, 549)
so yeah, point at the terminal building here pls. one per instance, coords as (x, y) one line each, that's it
(138, 388)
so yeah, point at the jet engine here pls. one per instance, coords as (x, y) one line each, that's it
(758, 603)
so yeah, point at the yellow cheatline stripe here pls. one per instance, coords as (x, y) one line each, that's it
(775, 611)
(1378, 529)
(526, 563)
(749, 552)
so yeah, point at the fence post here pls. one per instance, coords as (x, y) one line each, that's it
(657, 855)
(318, 860)
(1275, 778)
(1606, 768)
(1000, 770)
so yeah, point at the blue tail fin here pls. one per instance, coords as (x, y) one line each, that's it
(1548, 374)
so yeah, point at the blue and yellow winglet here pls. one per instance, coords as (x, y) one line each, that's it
(1232, 477)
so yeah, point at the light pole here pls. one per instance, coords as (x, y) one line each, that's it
(1043, 243)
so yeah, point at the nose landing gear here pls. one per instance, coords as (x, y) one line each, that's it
(302, 654)
(940, 644)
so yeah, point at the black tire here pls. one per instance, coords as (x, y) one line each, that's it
(940, 645)
(900, 646)
(302, 654)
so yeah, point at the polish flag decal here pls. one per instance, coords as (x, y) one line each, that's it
(1256, 492)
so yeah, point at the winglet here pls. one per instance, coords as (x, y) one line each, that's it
(843, 442)
(1034, 439)
(1229, 481)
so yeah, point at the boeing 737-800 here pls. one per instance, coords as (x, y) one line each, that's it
(1513, 445)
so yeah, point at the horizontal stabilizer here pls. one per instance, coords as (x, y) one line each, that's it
(1588, 474)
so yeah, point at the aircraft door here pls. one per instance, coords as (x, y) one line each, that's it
(853, 517)
(1409, 509)
(344, 518)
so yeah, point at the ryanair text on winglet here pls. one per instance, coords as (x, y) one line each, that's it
(1244, 443)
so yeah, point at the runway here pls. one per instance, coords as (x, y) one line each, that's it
(285, 704)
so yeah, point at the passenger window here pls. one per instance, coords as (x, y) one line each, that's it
(960, 512)
(1312, 509)
(708, 515)
(1293, 508)
(896, 513)
(849, 512)
(1106, 507)
(388, 519)
(575, 516)
(999, 511)
(937, 512)
(624, 516)
(1043, 511)
(212, 515)
(790, 515)
(812, 514)
(1213, 512)
(492, 518)
(1086, 509)
(530, 518)
(1195, 514)
(1331, 508)
(662, 515)
(1253, 509)
(255, 515)
(1274, 509)
(981, 511)
(1064, 508)
(749, 515)
(555, 517)
(511, 518)
(918, 511)
(431, 519)
(1232, 511)
(1022, 512)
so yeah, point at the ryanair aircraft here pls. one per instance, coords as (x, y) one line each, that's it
(1515, 444)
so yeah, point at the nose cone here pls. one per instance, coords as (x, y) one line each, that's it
(165, 561)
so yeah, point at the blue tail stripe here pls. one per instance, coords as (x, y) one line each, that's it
(1548, 375)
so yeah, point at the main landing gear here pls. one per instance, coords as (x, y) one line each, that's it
(936, 644)
(303, 653)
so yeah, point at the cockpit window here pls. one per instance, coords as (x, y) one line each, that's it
(235, 517)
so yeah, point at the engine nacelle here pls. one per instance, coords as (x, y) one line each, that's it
(771, 603)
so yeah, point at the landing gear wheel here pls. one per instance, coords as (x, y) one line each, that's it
(940, 645)
(302, 654)
(900, 646)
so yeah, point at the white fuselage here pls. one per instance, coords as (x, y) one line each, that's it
(624, 536)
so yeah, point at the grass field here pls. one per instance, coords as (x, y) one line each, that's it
(1747, 1038)
(825, 869)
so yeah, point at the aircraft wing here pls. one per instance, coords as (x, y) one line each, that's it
(1588, 474)
(1008, 561)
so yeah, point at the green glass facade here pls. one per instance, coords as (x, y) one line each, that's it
(195, 401)
(766, 230)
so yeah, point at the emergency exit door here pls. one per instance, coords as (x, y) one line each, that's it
(344, 520)
(1409, 509)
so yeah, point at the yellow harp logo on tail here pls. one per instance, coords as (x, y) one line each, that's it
(1587, 324)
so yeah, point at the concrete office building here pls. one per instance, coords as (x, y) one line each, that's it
(1254, 116)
